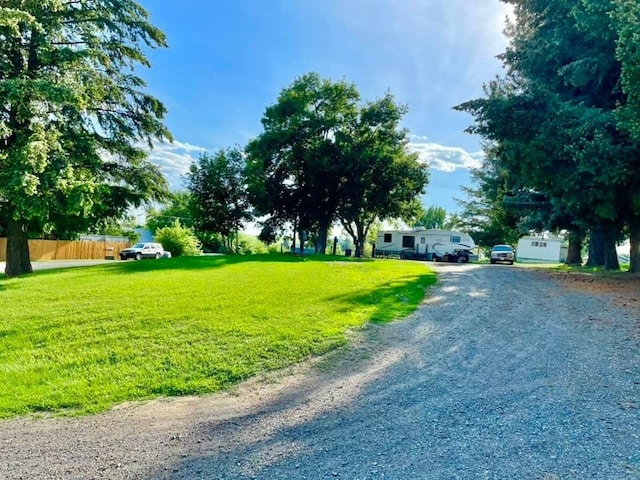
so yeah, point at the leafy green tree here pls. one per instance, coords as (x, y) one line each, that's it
(268, 233)
(384, 178)
(294, 168)
(454, 221)
(178, 240)
(432, 217)
(73, 116)
(176, 207)
(324, 157)
(219, 199)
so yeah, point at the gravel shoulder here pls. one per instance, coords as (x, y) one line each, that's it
(503, 373)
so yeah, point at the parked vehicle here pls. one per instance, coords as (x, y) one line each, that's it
(143, 250)
(422, 244)
(502, 253)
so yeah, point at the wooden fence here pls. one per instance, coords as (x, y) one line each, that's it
(67, 250)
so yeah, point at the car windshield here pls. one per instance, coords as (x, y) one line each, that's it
(502, 248)
(139, 245)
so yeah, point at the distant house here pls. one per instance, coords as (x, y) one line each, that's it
(145, 235)
(624, 251)
(103, 238)
(541, 250)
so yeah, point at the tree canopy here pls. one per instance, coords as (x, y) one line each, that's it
(432, 217)
(219, 200)
(558, 122)
(176, 207)
(74, 116)
(323, 157)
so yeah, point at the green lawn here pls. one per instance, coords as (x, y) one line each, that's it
(83, 339)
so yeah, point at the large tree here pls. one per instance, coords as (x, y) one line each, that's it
(219, 200)
(551, 120)
(324, 157)
(382, 179)
(627, 16)
(294, 167)
(74, 116)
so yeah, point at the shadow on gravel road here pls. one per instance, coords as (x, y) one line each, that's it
(497, 376)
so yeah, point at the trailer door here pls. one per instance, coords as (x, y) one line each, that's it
(422, 246)
(409, 241)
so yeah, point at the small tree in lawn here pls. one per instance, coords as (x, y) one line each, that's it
(219, 197)
(72, 116)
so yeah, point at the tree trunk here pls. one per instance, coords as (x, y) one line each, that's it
(18, 262)
(596, 248)
(293, 242)
(634, 240)
(574, 255)
(359, 243)
(610, 255)
(321, 243)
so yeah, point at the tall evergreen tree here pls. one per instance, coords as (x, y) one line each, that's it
(552, 119)
(74, 116)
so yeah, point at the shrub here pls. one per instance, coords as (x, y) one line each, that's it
(179, 240)
(249, 244)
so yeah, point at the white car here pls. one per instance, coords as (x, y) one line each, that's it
(143, 250)
(502, 253)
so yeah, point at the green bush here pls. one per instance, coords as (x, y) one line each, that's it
(249, 244)
(179, 240)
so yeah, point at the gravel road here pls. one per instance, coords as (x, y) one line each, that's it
(502, 374)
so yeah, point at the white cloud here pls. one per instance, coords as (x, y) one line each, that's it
(174, 160)
(418, 137)
(444, 158)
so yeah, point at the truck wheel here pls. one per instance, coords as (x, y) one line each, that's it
(138, 256)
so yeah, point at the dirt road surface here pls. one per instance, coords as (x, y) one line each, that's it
(504, 373)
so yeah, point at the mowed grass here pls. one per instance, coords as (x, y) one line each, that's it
(83, 339)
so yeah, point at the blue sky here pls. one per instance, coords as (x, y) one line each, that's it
(228, 60)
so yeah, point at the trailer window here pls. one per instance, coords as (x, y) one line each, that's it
(423, 240)
(387, 238)
(408, 242)
(455, 239)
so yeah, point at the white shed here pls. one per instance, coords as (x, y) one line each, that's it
(543, 250)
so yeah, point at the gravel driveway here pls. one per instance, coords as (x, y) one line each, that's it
(502, 374)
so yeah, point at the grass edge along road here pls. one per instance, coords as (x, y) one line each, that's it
(81, 340)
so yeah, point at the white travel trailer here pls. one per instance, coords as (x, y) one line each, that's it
(436, 245)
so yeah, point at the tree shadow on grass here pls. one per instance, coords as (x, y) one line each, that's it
(392, 300)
